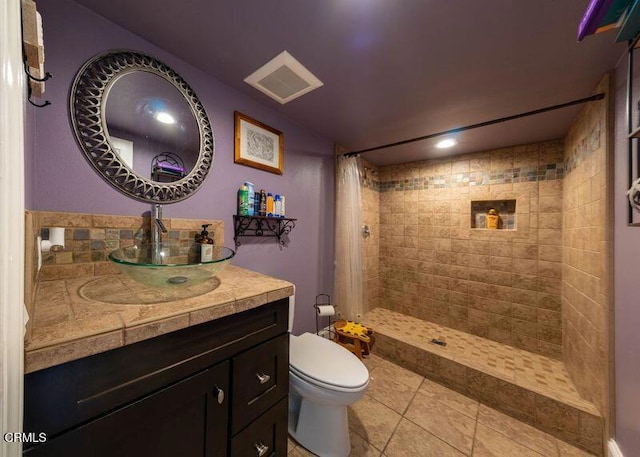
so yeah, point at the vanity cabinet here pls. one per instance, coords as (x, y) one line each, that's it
(214, 389)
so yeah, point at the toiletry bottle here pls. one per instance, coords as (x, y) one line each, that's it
(269, 205)
(250, 203)
(493, 219)
(277, 206)
(263, 203)
(283, 212)
(256, 204)
(243, 201)
(194, 251)
(206, 244)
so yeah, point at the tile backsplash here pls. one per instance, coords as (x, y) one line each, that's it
(89, 238)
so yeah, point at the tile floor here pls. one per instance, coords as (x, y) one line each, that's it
(403, 414)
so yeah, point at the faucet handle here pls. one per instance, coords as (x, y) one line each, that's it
(161, 225)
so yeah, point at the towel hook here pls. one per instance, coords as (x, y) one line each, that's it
(37, 105)
(47, 76)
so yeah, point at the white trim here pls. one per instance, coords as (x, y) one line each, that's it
(614, 450)
(12, 90)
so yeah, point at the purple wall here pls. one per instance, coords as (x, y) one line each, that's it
(60, 179)
(627, 285)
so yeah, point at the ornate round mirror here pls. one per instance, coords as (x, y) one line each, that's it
(141, 127)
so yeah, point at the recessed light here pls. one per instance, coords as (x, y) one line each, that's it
(449, 142)
(165, 118)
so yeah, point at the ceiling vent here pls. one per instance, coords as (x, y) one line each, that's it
(283, 78)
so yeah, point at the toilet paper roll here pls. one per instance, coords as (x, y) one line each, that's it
(326, 310)
(56, 238)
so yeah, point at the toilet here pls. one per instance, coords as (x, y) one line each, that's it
(324, 378)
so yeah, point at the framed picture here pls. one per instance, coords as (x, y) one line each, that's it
(257, 145)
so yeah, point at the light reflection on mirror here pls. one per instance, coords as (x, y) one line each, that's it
(146, 117)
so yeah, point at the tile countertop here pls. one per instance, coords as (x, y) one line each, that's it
(79, 317)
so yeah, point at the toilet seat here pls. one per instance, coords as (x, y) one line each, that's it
(326, 364)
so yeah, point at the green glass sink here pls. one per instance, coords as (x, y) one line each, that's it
(169, 264)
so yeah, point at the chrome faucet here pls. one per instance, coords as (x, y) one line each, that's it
(157, 229)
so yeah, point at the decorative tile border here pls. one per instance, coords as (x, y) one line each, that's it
(546, 172)
(583, 149)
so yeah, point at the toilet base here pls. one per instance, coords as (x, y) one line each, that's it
(321, 429)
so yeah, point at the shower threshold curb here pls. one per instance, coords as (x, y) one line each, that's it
(529, 387)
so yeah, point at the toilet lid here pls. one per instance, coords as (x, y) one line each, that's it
(328, 363)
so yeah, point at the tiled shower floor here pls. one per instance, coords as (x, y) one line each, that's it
(532, 371)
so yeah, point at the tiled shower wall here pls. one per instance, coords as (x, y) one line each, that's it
(586, 308)
(370, 244)
(503, 285)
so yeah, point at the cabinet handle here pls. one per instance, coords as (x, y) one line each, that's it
(261, 448)
(219, 393)
(263, 378)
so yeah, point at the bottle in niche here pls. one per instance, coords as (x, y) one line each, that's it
(282, 209)
(263, 203)
(492, 219)
(269, 205)
(243, 201)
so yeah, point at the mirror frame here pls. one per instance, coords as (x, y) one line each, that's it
(87, 102)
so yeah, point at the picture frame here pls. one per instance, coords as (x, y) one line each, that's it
(257, 145)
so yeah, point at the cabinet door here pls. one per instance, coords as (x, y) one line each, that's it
(188, 419)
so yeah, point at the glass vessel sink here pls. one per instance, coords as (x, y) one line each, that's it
(169, 264)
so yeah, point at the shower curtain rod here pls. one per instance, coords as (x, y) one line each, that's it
(599, 96)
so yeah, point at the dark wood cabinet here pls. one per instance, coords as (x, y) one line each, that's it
(265, 436)
(263, 379)
(215, 389)
(182, 419)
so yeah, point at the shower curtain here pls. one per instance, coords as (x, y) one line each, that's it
(348, 277)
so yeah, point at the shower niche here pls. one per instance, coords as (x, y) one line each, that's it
(484, 212)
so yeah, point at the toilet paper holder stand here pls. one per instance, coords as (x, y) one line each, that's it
(323, 300)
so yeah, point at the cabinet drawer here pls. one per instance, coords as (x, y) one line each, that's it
(260, 380)
(266, 436)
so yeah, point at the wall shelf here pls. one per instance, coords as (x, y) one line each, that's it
(633, 155)
(167, 167)
(262, 226)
